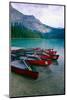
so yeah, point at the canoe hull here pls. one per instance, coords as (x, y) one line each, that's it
(50, 52)
(52, 57)
(24, 72)
(39, 62)
(55, 57)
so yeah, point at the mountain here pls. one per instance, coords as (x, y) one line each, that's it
(29, 21)
(29, 26)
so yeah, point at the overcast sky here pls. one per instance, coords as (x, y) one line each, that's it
(51, 15)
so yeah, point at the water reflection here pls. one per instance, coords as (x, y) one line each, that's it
(55, 62)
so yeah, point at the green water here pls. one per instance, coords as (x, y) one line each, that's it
(50, 80)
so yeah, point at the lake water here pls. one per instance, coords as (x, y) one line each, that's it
(50, 80)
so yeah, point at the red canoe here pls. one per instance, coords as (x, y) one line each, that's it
(23, 70)
(53, 57)
(35, 60)
(39, 62)
(48, 54)
(50, 51)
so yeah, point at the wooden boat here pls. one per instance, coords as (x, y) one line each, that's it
(52, 54)
(14, 57)
(35, 60)
(50, 51)
(23, 69)
(45, 56)
(22, 51)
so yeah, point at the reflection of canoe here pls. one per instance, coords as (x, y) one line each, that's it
(22, 69)
(55, 62)
(35, 60)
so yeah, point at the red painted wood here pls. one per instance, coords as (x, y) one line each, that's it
(38, 62)
(53, 57)
(25, 72)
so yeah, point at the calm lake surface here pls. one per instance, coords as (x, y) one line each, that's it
(50, 80)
